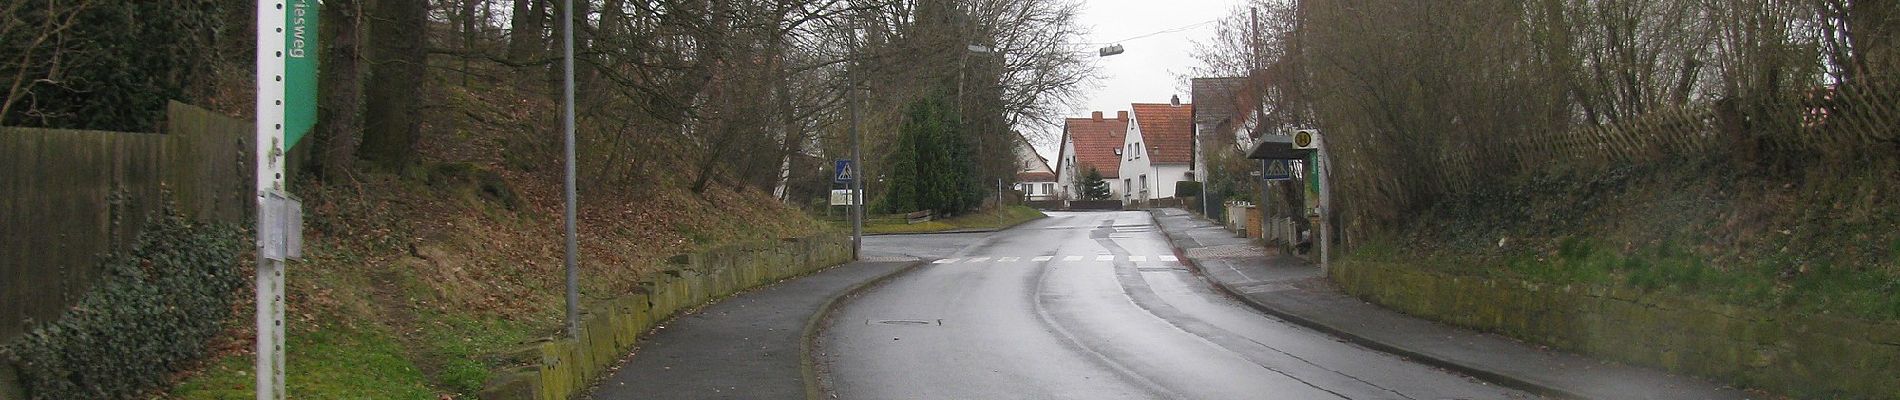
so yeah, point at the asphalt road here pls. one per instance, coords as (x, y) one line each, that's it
(1089, 306)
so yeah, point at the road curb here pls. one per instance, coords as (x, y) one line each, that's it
(808, 342)
(1500, 378)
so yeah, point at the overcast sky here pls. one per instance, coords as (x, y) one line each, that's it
(1145, 73)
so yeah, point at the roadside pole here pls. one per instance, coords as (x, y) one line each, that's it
(286, 79)
(857, 172)
(269, 139)
(567, 122)
(1325, 209)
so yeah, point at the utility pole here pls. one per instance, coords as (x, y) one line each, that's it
(1253, 43)
(567, 124)
(857, 163)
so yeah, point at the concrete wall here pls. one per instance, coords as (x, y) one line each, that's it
(1814, 356)
(68, 196)
(562, 369)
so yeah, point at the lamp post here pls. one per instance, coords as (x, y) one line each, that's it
(567, 122)
(857, 163)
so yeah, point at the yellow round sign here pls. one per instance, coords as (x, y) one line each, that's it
(1303, 139)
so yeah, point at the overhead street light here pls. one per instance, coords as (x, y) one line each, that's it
(1112, 49)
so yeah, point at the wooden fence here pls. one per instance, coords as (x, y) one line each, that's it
(69, 196)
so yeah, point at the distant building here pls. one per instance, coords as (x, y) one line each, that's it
(1034, 178)
(1093, 142)
(1157, 152)
(1215, 106)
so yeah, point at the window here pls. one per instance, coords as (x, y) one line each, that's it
(1048, 188)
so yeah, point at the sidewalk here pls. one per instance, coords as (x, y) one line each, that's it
(1296, 291)
(750, 346)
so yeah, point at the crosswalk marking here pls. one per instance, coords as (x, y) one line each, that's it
(1002, 259)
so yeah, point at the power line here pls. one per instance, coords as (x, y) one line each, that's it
(1155, 33)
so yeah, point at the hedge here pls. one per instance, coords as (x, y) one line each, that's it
(151, 314)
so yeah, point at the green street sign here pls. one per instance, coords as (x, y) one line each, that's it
(300, 70)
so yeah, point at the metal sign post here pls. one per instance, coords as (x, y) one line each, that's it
(1325, 209)
(286, 109)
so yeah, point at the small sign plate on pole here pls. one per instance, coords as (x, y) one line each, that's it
(842, 172)
(281, 236)
(842, 197)
(1277, 170)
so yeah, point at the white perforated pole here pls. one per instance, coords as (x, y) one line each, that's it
(270, 176)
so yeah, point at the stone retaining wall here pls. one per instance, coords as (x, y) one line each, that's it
(1800, 355)
(562, 369)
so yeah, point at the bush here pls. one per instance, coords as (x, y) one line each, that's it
(152, 313)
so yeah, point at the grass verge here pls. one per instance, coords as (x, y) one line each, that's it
(1816, 243)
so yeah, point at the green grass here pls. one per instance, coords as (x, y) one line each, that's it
(987, 219)
(330, 362)
(463, 343)
(1769, 283)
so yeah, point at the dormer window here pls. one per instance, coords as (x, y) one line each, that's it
(1118, 152)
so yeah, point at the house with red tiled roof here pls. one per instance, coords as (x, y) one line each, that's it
(1157, 152)
(1090, 143)
(1034, 178)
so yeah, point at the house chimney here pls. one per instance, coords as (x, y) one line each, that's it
(1098, 115)
(1121, 115)
(1175, 101)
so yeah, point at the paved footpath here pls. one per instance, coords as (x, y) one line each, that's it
(750, 346)
(1295, 290)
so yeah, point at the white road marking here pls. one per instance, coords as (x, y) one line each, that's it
(978, 259)
(945, 261)
(1041, 259)
(1009, 259)
(1137, 258)
(1167, 258)
(1072, 258)
(1104, 258)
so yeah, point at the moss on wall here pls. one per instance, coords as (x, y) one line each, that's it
(562, 369)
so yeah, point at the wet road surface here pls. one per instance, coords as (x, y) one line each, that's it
(1089, 306)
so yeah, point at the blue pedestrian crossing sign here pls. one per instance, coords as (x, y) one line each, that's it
(842, 172)
(1277, 170)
